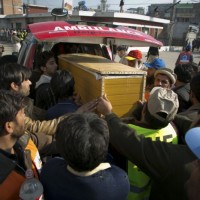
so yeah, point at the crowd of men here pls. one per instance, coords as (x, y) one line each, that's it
(6, 34)
(77, 154)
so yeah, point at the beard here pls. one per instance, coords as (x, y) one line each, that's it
(17, 135)
(19, 131)
(24, 91)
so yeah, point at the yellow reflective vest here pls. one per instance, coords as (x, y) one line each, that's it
(140, 183)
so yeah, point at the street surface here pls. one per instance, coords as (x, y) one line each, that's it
(171, 57)
(168, 56)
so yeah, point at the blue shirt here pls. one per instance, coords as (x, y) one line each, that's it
(61, 108)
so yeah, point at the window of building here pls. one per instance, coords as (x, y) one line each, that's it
(186, 19)
(18, 25)
(145, 30)
(182, 19)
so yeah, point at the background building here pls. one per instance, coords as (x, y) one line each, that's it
(11, 7)
(14, 7)
(182, 16)
(167, 22)
(31, 14)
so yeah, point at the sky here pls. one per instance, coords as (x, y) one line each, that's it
(113, 4)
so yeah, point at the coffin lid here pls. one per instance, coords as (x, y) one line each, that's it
(100, 64)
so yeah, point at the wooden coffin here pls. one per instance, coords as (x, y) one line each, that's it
(95, 76)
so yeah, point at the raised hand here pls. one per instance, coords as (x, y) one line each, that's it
(88, 107)
(104, 106)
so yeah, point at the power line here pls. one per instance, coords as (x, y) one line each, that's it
(147, 2)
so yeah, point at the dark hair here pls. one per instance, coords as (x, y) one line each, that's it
(195, 86)
(62, 84)
(153, 51)
(122, 47)
(82, 140)
(26, 73)
(8, 59)
(43, 57)
(10, 104)
(152, 121)
(188, 47)
(184, 72)
(13, 72)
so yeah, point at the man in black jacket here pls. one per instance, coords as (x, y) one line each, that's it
(183, 120)
(184, 73)
(165, 163)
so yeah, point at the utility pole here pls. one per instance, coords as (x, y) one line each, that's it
(172, 22)
(26, 12)
(13, 8)
(103, 5)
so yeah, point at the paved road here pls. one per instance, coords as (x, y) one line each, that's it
(167, 56)
(171, 57)
(7, 47)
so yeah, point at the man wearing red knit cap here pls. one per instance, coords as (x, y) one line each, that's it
(134, 58)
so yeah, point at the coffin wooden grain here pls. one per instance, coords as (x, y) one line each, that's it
(95, 76)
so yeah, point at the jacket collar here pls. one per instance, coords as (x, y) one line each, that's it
(100, 167)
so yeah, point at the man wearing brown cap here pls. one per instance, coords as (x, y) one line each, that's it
(165, 78)
(164, 163)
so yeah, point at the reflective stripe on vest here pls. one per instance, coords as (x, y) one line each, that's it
(140, 183)
(35, 156)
